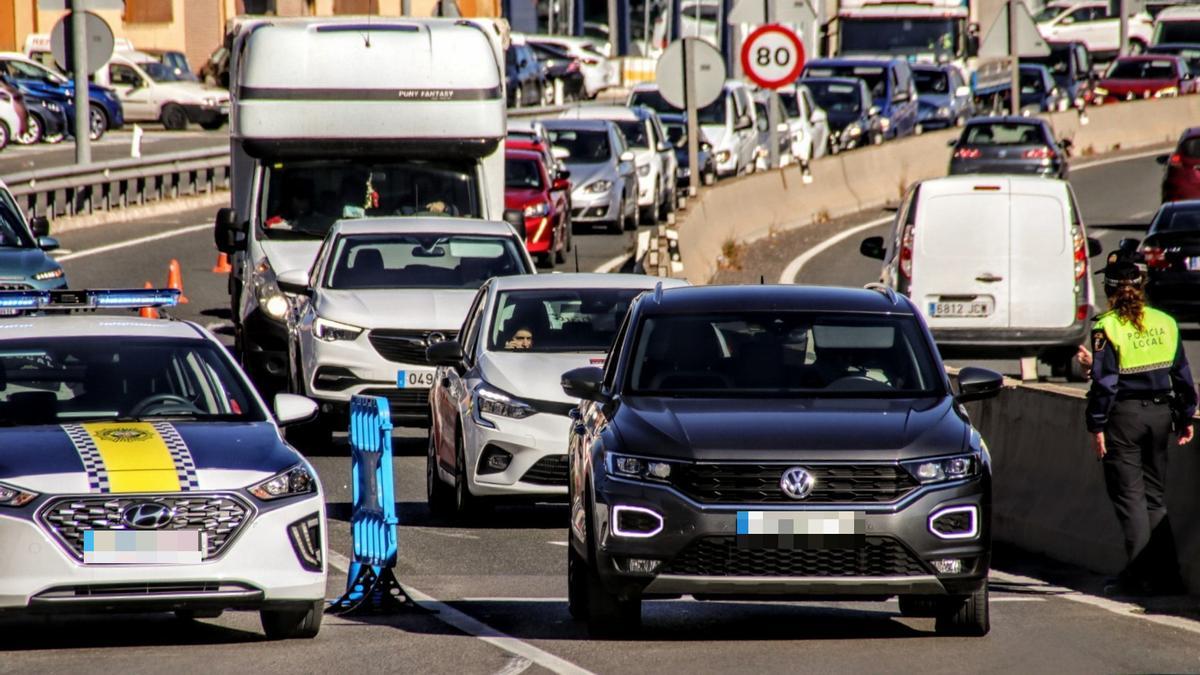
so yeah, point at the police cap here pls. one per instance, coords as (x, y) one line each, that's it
(1121, 272)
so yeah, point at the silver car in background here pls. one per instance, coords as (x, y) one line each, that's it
(603, 178)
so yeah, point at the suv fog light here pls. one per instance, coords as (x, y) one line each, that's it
(642, 565)
(948, 566)
(955, 522)
(635, 522)
(495, 460)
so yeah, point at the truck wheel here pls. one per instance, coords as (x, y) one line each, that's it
(173, 117)
(291, 624)
(965, 615)
(97, 122)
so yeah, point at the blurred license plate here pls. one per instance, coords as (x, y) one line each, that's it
(967, 308)
(800, 529)
(1193, 263)
(419, 378)
(152, 547)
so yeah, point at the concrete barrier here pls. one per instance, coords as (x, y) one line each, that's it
(1049, 495)
(749, 208)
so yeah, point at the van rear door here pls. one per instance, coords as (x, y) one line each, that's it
(961, 256)
(1042, 270)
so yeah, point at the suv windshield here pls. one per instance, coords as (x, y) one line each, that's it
(303, 199)
(582, 146)
(770, 354)
(1179, 219)
(421, 261)
(584, 320)
(1178, 31)
(12, 228)
(77, 379)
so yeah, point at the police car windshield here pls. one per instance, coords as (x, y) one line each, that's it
(583, 320)
(789, 354)
(12, 229)
(62, 380)
(421, 261)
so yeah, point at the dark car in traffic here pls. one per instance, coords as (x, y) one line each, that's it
(1182, 177)
(1171, 253)
(943, 98)
(525, 76)
(1008, 145)
(675, 126)
(1039, 93)
(779, 442)
(891, 85)
(1070, 64)
(853, 116)
(1146, 76)
(561, 67)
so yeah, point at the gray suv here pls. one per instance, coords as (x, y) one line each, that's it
(781, 442)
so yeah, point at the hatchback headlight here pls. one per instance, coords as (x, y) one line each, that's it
(47, 275)
(598, 187)
(537, 210)
(333, 331)
(644, 170)
(723, 156)
(944, 469)
(15, 497)
(639, 468)
(492, 401)
(53, 107)
(853, 130)
(297, 480)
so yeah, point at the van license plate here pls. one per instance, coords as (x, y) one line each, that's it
(975, 308)
(418, 378)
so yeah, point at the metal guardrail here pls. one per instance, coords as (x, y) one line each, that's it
(104, 186)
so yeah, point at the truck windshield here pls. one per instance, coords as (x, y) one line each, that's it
(772, 354)
(939, 36)
(302, 199)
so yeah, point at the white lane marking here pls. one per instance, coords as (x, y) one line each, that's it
(612, 264)
(476, 628)
(1016, 599)
(557, 543)
(452, 535)
(516, 666)
(793, 268)
(506, 599)
(116, 246)
(1114, 160)
(1113, 606)
(58, 253)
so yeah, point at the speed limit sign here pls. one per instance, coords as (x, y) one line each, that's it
(772, 56)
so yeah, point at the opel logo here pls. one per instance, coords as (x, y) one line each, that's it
(147, 515)
(797, 483)
(434, 338)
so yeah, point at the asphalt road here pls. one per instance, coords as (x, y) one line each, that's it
(503, 580)
(115, 145)
(1117, 200)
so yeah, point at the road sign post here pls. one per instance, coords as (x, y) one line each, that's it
(1014, 59)
(690, 75)
(772, 57)
(81, 43)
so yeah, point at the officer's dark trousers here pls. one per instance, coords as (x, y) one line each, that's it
(1135, 472)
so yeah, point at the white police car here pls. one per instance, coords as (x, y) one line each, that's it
(140, 471)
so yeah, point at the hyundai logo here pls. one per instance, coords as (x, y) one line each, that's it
(147, 515)
(797, 483)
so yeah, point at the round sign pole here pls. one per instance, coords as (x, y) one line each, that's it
(690, 75)
(772, 57)
(83, 108)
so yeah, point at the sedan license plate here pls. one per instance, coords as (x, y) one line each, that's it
(1193, 263)
(967, 308)
(143, 547)
(800, 529)
(418, 378)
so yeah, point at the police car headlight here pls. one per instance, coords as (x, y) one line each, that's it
(297, 480)
(15, 497)
(943, 469)
(332, 331)
(47, 275)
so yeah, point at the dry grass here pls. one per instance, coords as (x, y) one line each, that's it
(821, 217)
(731, 255)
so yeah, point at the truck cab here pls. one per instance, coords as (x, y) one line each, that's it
(401, 117)
(929, 31)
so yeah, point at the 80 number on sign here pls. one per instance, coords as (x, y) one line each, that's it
(772, 56)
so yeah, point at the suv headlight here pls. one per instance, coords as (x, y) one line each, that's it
(15, 497)
(944, 469)
(723, 156)
(332, 331)
(598, 187)
(637, 468)
(297, 480)
(492, 401)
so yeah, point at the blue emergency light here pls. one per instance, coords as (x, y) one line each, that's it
(67, 299)
(16, 300)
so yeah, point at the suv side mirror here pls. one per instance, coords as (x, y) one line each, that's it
(294, 282)
(516, 219)
(1095, 247)
(626, 156)
(818, 116)
(445, 353)
(976, 384)
(226, 232)
(40, 226)
(872, 247)
(584, 383)
(47, 243)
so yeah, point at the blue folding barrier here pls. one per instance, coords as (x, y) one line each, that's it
(372, 585)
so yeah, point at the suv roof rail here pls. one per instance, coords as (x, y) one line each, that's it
(884, 289)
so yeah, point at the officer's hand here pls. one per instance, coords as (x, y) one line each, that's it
(1084, 357)
(1186, 436)
(1098, 445)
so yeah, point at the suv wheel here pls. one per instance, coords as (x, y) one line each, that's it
(293, 623)
(606, 613)
(436, 492)
(964, 614)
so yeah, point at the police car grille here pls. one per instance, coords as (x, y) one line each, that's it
(549, 470)
(722, 557)
(403, 346)
(220, 517)
(759, 483)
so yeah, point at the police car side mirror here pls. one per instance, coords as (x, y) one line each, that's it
(976, 384)
(293, 409)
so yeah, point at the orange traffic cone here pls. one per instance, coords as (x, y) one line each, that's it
(222, 266)
(148, 312)
(175, 280)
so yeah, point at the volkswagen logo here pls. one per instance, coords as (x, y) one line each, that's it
(147, 515)
(797, 483)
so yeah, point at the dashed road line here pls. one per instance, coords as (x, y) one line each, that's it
(516, 666)
(612, 264)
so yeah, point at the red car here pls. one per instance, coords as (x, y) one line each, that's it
(541, 145)
(529, 189)
(1146, 76)
(1182, 179)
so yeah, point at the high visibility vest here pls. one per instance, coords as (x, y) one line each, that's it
(1153, 348)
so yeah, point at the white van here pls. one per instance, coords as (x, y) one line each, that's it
(336, 118)
(152, 92)
(998, 266)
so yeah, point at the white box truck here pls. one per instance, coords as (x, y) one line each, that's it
(350, 118)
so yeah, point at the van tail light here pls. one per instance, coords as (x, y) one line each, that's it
(967, 153)
(1175, 160)
(906, 254)
(1081, 313)
(1156, 257)
(1039, 153)
(1079, 241)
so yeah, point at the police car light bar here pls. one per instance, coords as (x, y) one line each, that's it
(134, 298)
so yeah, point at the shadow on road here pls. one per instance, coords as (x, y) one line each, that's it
(109, 631)
(501, 517)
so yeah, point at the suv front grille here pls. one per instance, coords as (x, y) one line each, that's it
(549, 470)
(759, 483)
(404, 346)
(722, 557)
(219, 517)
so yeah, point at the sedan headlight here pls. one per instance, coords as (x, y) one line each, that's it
(297, 480)
(333, 331)
(638, 468)
(598, 187)
(47, 275)
(723, 156)
(854, 130)
(492, 401)
(537, 210)
(15, 497)
(644, 170)
(945, 468)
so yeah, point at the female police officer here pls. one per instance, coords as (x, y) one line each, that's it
(1141, 388)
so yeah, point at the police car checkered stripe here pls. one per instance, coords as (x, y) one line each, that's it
(89, 454)
(184, 464)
